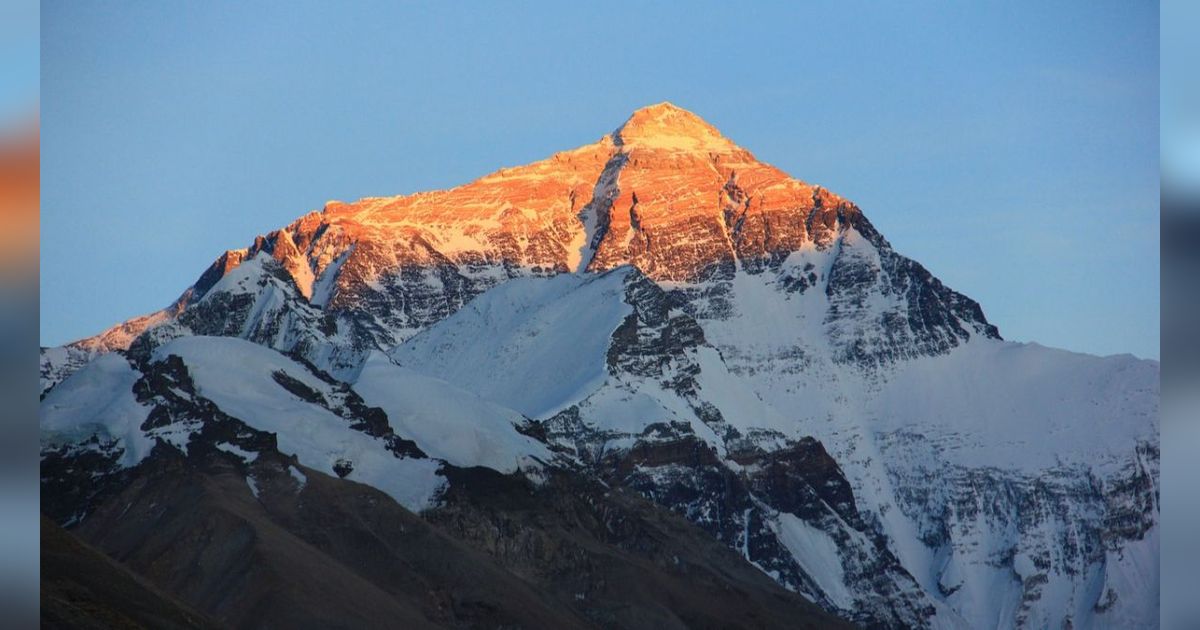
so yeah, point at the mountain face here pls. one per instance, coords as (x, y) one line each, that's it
(655, 319)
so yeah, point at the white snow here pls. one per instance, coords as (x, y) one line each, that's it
(817, 554)
(247, 456)
(1023, 406)
(302, 273)
(326, 283)
(624, 410)
(60, 362)
(242, 278)
(98, 400)
(582, 248)
(301, 478)
(1133, 574)
(236, 375)
(447, 422)
(177, 434)
(535, 345)
(739, 404)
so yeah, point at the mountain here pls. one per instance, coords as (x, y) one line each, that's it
(660, 315)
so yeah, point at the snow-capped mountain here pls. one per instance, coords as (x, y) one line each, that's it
(663, 313)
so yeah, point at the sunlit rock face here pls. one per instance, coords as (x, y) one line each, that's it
(665, 192)
(676, 318)
(686, 203)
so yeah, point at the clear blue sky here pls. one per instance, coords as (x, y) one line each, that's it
(1012, 149)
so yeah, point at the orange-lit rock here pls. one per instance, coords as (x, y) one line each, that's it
(665, 192)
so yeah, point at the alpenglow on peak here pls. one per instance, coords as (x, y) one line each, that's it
(666, 126)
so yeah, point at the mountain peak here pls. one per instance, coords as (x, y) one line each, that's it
(669, 127)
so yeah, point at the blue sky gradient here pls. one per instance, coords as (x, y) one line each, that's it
(1011, 148)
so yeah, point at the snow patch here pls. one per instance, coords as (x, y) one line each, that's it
(325, 285)
(237, 376)
(536, 345)
(301, 478)
(247, 456)
(445, 421)
(817, 554)
(98, 400)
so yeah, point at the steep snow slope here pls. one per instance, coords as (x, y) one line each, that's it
(1023, 407)
(448, 422)
(57, 363)
(243, 379)
(533, 344)
(98, 400)
(1003, 456)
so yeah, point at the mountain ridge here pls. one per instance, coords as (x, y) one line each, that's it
(755, 215)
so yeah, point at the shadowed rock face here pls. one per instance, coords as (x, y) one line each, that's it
(252, 546)
(329, 553)
(82, 589)
(664, 574)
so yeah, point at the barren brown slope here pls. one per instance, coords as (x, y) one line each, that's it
(330, 554)
(333, 553)
(618, 559)
(82, 589)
